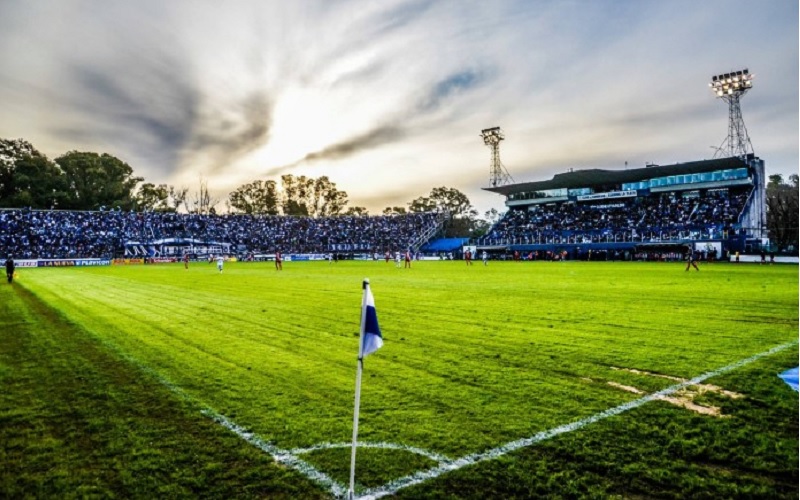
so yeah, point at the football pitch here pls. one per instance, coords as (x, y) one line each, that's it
(513, 380)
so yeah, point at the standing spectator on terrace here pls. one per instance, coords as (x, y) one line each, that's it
(10, 268)
(278, 261)
(691, 260)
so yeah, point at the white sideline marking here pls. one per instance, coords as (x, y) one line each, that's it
(420, 477)
(290, 459)
(285, 457)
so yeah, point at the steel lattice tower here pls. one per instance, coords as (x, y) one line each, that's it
(730, 87)
(498, 175)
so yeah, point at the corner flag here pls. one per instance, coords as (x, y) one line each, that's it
(371, 339)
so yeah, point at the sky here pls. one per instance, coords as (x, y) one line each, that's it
(387, 98)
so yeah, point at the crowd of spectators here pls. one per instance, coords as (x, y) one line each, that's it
(666, 216)
(30, 234)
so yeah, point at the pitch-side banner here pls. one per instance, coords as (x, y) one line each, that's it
(72, 262)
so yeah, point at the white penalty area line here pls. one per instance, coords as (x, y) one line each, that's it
(423, 476)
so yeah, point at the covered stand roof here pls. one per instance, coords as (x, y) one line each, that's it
(595, 176)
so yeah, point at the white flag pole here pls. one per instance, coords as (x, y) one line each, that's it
(351, 491)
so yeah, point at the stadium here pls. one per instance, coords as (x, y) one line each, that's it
(576, 361)
(716, 207)
(619, 333)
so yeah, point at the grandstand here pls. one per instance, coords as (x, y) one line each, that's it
(58, 234)
(716, 206)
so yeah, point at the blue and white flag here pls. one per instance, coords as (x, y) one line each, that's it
(371, 340)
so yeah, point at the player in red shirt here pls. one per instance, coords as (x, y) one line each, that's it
(278, 261)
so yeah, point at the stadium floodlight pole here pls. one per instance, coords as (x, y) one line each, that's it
(351, 491)
(498, 175)
(730, 87)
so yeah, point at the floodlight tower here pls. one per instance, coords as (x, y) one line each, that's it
(498, 175)
(730, 87)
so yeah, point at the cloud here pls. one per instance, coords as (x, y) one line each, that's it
(371, 139)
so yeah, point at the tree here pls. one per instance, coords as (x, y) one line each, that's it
(202, 200)
(324, 199)
(461, 215)
(422, 204)
(161, 198)
(149, 196)
(451, 200)
(314, 197)
(295, 191)
(394, 210)
(356, 211)
(33, 181)
(782, 211)
(95, 181)
(27, 177)
(257, 197)
(177, 197)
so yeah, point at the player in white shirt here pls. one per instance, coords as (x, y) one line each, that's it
(220, 262)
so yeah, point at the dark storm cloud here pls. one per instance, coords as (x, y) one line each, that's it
(150, 110)
(156, 109)
(368, 140)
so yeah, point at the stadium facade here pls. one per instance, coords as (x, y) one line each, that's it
(716, 205)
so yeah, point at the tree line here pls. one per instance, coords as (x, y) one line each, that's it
(782, 211)
(90, 181)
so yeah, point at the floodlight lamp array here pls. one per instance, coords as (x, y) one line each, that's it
(735, 82)
(492, 135)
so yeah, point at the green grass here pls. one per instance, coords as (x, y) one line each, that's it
(106, 371)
